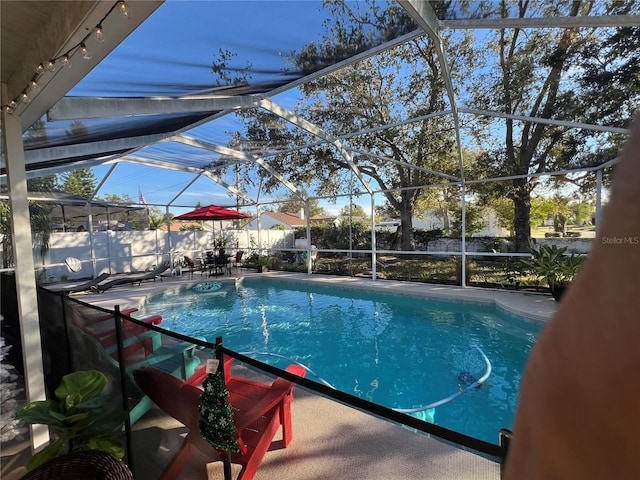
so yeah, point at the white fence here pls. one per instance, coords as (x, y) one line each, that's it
(136, 251)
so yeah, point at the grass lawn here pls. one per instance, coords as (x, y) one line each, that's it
(492, 272)
(585, 232)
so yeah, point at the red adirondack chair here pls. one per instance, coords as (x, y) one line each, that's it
(259, 411)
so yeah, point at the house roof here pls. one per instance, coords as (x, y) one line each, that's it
(322, 218)
(177, 226)
(73, 207)
(287, 218)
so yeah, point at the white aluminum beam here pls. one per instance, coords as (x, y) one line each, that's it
(546, 22)
(422, 12)
(104, 179)
(315, 130)
(93, 148)
(167, 165)
(364, 132)
(99, 147)
(63, 168)
(405, 164)
(186, 187)
(549, 121)
(234, 190)
(236, 154)
(349, 61)
(198, 171)
(71, 108)
(25, 279)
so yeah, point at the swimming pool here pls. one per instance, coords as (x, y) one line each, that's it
(395, 350)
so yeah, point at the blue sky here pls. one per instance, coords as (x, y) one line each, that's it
(173, 51)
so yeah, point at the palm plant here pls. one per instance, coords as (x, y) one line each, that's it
(554, 266)
(41, 228)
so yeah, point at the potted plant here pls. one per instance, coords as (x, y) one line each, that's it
(263, 262)
(77, 418)
(555, 267)
(220, 244)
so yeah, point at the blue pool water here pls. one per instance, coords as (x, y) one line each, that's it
(398, 351)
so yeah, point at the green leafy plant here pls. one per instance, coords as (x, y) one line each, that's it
(255, 260)
(77, 418)
(554, 266)
(220, 243)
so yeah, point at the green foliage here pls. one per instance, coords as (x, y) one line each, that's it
(329, 236)
(77, 418)
(5, 232)
(40, 228)
(156, 222)
(220, 243)
(505, 213)
(190, 228)
(561, 209)
(551, 264)
(389, 87)
(576, 74)
(80, 182)
(474, 222)
(354, 211)
(293, 204)
(255, 260)
(140, 218)
(40, 225)
(47, 183)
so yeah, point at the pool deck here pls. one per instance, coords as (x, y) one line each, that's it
(331, 440)
(533, 306)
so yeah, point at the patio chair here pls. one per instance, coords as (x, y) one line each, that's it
(105, 332)
(223, 264)
(238, 259)
(190, 264)
(176, 359)
(131, 279)
(259, 410)
(86, 286)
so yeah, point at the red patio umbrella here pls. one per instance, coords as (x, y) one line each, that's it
(212, 212)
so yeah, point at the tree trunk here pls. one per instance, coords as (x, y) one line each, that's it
(406, 224)
(446, 224)
(522, 218)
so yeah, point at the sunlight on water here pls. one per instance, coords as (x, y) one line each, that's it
(397, 351)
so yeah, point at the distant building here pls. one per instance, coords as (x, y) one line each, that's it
(177, 226)
(288, 220)
(270, 219)
(432, 220)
